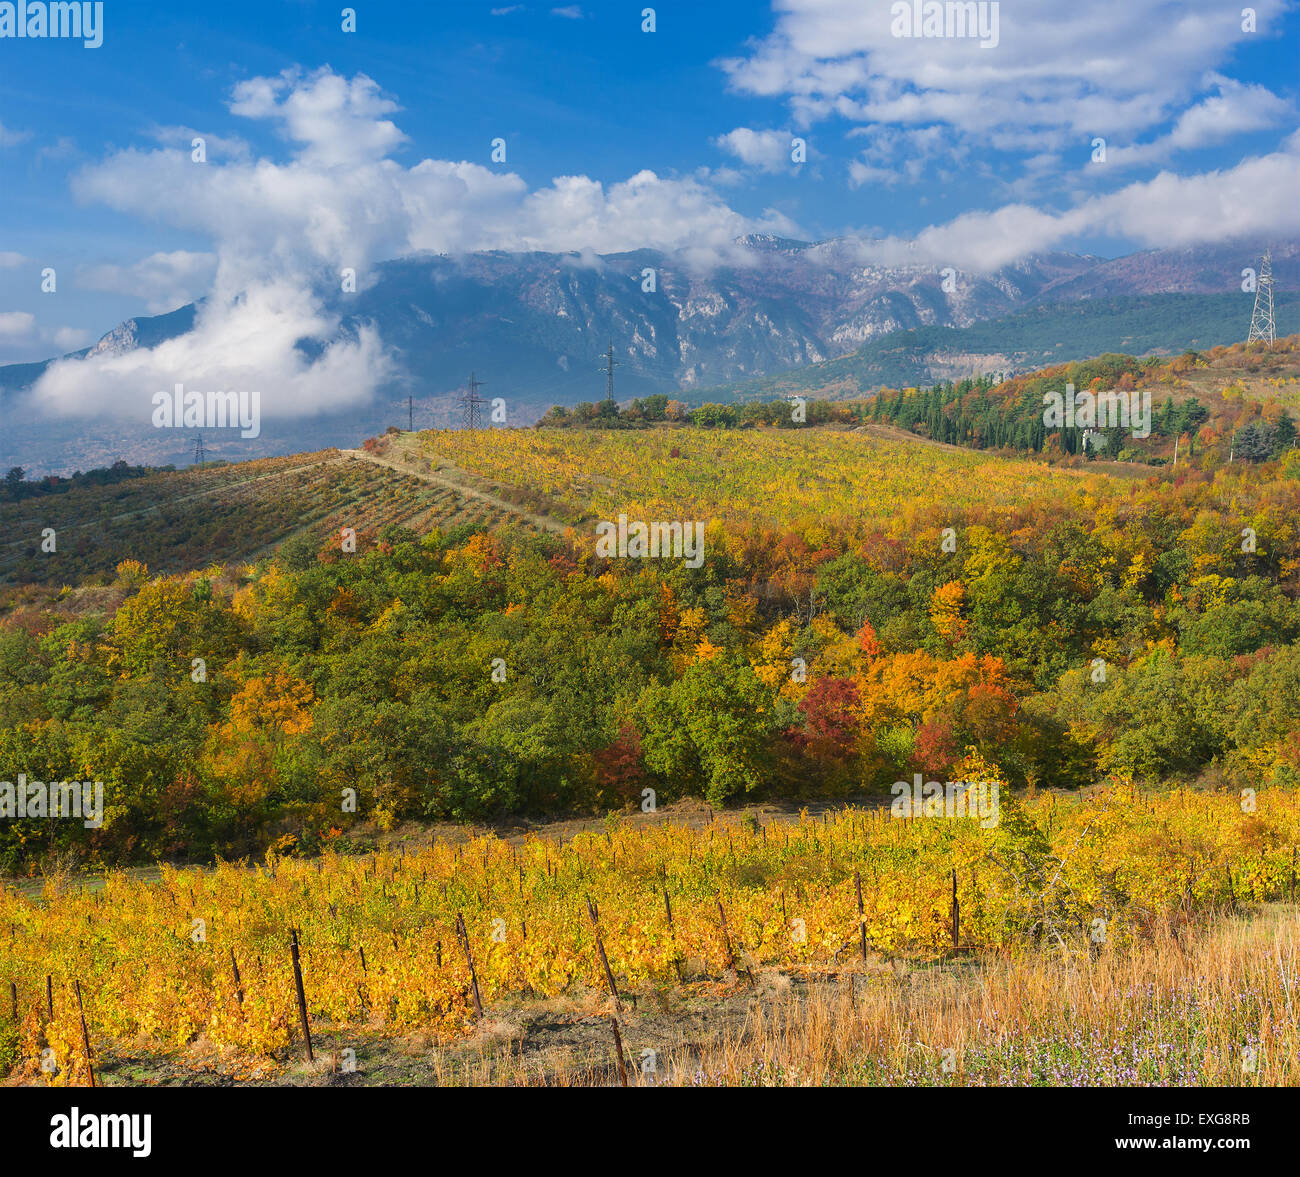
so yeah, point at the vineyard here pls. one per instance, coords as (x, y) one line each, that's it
(199, 964)
(814, 480)
(181, 520)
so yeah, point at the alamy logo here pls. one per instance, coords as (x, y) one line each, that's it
(103, 1130)
(1106, 410)
(208, 410)
(952, 799)
(933, 18)
(74, 21)
(680, 541)
(80, 799)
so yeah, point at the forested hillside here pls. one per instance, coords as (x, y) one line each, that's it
(865, 609)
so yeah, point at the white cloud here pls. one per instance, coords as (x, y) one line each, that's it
(10, 260)
(569, 12)
(768, 151)
(1059, 75)
(1236, 109)
(336, 120)
(246, 345)
(164, 280)
(338, 201)
(17, 325)
(1254, 199)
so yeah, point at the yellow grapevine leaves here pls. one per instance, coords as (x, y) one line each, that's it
(380, 953)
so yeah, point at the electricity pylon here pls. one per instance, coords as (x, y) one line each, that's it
(610, 364)
(471, 403)
(1261, 319)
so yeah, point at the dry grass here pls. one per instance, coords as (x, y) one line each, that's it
(1185, 1008)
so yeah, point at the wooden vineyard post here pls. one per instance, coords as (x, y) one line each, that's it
(85, 1036)
(463, 936)
(600, 948)
(239, 985)
(732, 963)
(618, 1050)
(956, 913)
(302, 996)
(672, 934)
(49, 995)
(862, 918)
(13, 999)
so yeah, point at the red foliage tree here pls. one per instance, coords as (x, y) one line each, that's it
(619, 766)
(866, 639)
(936, 748)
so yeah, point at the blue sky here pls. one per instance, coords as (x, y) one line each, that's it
(329, 148)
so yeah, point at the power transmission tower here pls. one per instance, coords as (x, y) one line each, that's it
(610, 364)
(199, 456)
(471, 404)
(1261, 319)
(410, 414)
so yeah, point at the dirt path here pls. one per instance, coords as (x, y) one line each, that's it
(457, 480)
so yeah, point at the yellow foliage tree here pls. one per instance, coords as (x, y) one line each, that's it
(946, 604)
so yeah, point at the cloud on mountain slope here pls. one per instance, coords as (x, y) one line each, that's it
(284, 231)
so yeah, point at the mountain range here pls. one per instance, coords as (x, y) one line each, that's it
(535, 327)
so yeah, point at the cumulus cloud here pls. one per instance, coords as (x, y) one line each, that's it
(283, 230)
(249, 344)
(1236, 109)
(336, 120)
(768, 151)
(16, 325)
(1253, 199)
(1059, 74)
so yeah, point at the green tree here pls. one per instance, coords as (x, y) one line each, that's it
(709, 729)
